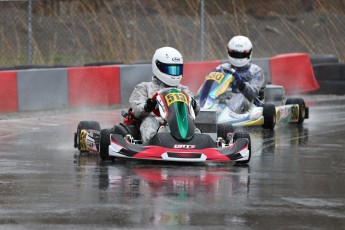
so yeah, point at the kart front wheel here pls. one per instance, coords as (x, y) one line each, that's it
(94, 125)
(223, 130)
(270, 116)
(302, 109)
(238, 135)
(104, 144)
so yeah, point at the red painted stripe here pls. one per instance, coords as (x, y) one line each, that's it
(8, 91)
(92, 86)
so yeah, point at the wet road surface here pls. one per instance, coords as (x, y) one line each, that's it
(295, 179)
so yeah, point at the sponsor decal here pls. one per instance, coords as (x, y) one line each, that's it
(176, 59)
(82, 141)
(284, 112)
(90, 143)
(215, 76)
(178, 146)
(175, 97)
(295, 113)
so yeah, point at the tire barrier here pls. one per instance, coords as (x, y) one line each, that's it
(331, 77)
(331, 87)
(294, 72)
(330, 72)
(323, 58)
(53, 88)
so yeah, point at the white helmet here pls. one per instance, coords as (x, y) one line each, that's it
(167, 65)
(239, 51)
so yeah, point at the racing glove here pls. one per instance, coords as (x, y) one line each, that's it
(238, 79)
(150, 105)
(193, 103)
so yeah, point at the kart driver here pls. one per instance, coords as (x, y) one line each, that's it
(167, 68)
(248, 78)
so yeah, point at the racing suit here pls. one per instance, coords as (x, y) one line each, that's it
(240, 98)
(149, 122)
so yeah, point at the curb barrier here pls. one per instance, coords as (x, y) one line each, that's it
(8, 91)
(53, 88)
(91, 86)
(293, 71)
(130, 76)
(41, 89)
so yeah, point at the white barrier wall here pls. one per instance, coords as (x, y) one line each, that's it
(54, 88)
(40, 89)
(130, 76)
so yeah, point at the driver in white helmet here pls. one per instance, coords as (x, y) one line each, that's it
(167, 68)
(248, 78)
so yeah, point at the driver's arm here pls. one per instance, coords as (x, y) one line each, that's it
(138, 99)
(253, 86)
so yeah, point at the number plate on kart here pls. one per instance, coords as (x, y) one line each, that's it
(175, 97)
(215, 76)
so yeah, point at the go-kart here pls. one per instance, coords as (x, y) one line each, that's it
(177, 140)
(267, 110)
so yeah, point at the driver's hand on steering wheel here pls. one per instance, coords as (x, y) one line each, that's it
(150, 105)
(238, 79)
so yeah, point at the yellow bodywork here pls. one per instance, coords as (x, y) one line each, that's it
(82, 140)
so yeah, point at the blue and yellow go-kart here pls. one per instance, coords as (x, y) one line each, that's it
(266, 112)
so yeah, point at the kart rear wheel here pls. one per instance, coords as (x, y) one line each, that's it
(238, 135)
(104, 144)
(84, 125)
(270, 116)
(223, 130)
(302, 108)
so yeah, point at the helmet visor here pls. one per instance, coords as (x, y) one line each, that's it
(170, 69)
(239, 55)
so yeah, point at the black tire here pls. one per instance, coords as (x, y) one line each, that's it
(270, 116)
(329, 72)
(104, 144)
(316, 59)
(238, 135)
(85, 125)
(75, 140)
(330, 87)
(223, 130)
(302, 108)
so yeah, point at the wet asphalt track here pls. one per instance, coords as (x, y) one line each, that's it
(295, 179)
